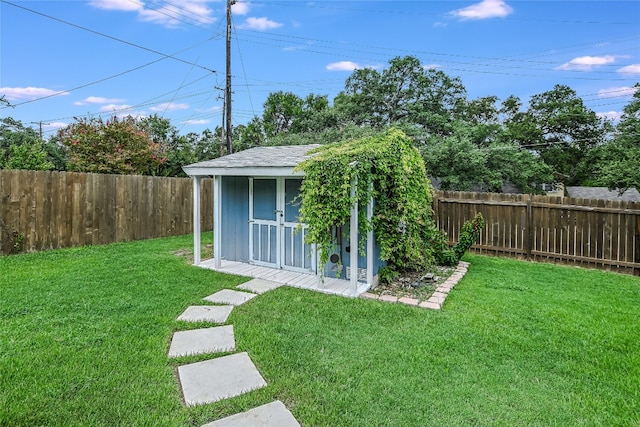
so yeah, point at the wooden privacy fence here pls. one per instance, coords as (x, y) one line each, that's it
(592, 233)
(63, 209)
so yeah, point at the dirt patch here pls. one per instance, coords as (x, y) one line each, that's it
(206, 252)
(417, 285)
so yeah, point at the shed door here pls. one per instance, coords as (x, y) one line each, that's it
(276, 238)
(264, 214)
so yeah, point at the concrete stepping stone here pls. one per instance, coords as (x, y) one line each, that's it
(259, 286)
(229, 296)
(218, 379)
(206, 313)
(273, 414)
(199, 341)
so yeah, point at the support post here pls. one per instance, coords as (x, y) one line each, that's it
(353, 225)
(370, 241)
(217, 221)
(196, 220)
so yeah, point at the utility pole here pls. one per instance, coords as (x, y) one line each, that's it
(227, 93)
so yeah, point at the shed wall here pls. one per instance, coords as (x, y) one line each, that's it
(235, 218)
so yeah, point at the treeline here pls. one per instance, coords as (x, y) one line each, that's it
(467, 143)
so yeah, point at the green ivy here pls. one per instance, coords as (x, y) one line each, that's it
(389, 170)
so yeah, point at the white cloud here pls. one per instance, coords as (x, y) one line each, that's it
(114, 108)
(28, 93)
(123, 5)
(260, 24)
(169, 106)
(430, 66)
(169, 15)
(240, 8)
(214, 109)
(586, 63)
(611, 115)
(617, 92)
(486, 9)
(98, 100)
(343, 66)
(196, 122)
(55, 125)
(630, 69)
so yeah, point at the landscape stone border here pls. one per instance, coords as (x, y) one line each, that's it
(436, 300)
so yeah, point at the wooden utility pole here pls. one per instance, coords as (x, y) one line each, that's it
(227, 92)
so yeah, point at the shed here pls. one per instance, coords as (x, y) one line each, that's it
(256, 210)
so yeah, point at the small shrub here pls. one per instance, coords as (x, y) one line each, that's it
(387, 274)
(468, 235)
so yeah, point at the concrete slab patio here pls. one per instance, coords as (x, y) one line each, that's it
(229, 296)
(217, 379)
(200, 341)
(206, 313)
(273, 414)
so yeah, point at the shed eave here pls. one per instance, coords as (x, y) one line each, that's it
(238, 171)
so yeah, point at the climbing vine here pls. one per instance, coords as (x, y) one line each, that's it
(387, 169)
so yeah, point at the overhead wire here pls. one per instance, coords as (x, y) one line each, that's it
(107, 36)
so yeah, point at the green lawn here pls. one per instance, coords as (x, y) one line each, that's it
(84, 335)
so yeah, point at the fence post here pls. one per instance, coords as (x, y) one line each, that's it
(529, 227)
(636, 271)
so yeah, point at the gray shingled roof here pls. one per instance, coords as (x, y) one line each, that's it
(258, 161)
(280, 156)
(603, 193)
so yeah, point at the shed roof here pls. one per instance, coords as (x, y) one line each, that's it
(603, 193)
(257, 161)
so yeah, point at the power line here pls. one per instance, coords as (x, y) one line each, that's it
(108, 36)
(109, 77)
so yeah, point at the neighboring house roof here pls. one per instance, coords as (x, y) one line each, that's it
(258, 161)
(603, 193)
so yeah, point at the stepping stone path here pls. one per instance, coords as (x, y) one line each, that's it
(206, 313)
(271, 414)
(227, 376)
(199, 341)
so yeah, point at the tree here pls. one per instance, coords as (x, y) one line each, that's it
(561, 129)
(620, 166)
(462, 165)
(402, 93)
(21, 147)
(281, 109)
(120, 146)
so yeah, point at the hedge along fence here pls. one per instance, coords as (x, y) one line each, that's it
(601, 234)
(52, 210)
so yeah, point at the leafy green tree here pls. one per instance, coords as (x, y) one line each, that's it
(28, 156)
(280, 110)
(462, 165)
(119, 146)
(403, 92)
(21, 147)
(561, 129)
(620, 165)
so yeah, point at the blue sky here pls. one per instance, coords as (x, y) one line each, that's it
(66, 59)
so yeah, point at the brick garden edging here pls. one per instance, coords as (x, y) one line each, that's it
(436, 300)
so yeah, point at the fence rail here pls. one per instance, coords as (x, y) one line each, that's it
(591, 233)
(61, 209)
